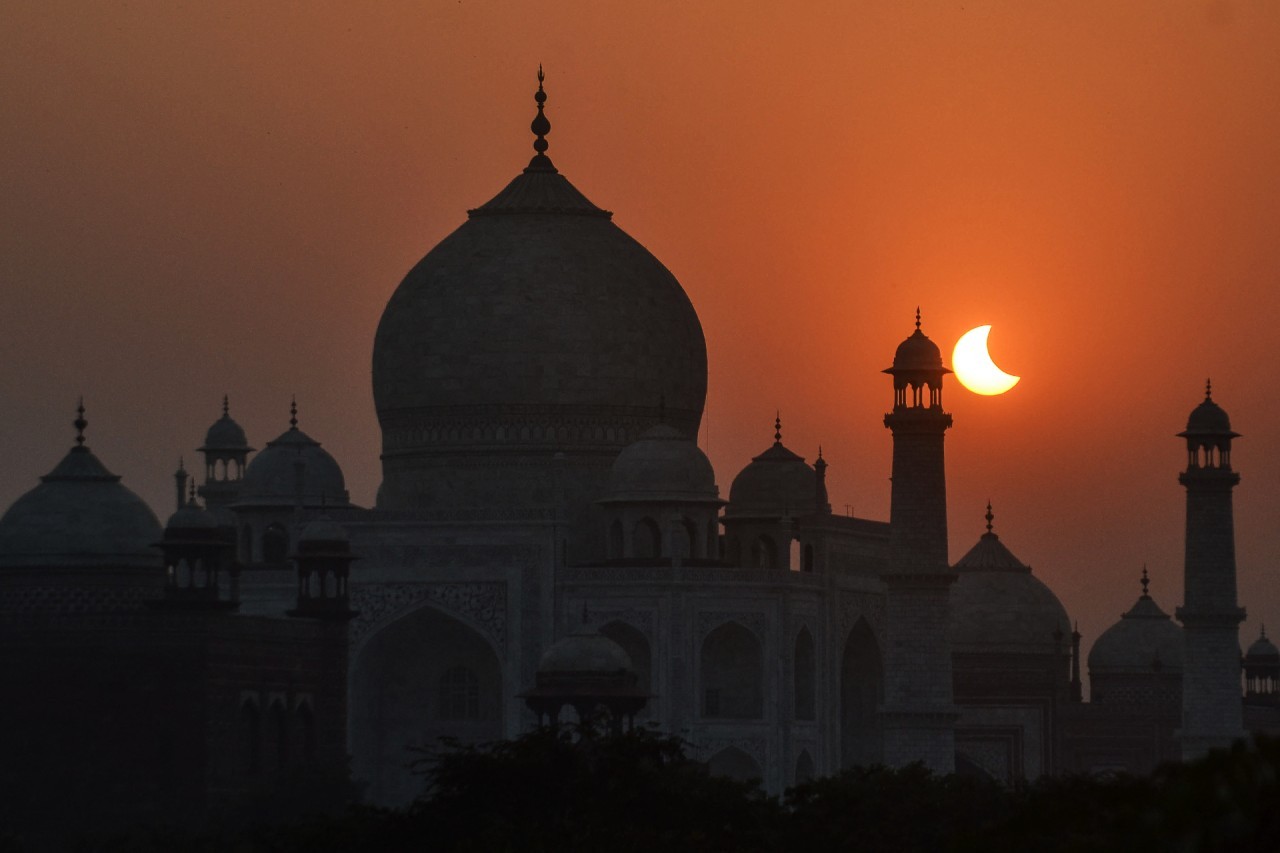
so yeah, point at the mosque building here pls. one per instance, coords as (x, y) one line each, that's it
(548, 538)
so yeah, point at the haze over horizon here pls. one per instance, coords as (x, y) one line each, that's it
(200, 201)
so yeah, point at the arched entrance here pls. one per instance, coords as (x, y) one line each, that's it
(421, 678)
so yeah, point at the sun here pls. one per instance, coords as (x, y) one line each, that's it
(974, 367)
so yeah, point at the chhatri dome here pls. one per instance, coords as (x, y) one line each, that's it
(538, 327)
(1144, 641)
(777, 483)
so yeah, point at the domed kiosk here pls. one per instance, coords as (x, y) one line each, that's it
(526, 350)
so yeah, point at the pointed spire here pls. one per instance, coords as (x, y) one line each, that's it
(181, 467)
(80, 423)
(540, 126)
(1208, 389)
(990, 517)
(1146, 581)
(293, 412)
(1262, 635)
(917, 318)
(226, 406)
(777, 427)
(191, 494)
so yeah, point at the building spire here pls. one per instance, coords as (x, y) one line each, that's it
(540, 126)
(226, 406)
(1208, 389)
(1146, 581)
(917, 318)
(293, 412)
(80, 423)
(990, 516)
(777, 427)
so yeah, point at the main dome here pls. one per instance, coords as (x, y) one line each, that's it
(537, 327)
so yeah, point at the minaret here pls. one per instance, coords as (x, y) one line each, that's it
(918, 715)
(1211, 700)
(225, 457)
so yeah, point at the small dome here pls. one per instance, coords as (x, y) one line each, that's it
(79, 515)
(917, 353)
(663, 465)
(584, 653)
(998, 605)
(225, 434)
(1145, 640)
(272, 477)
(775, 484)
(1208, 418)
(191, 517)
(1262, 651)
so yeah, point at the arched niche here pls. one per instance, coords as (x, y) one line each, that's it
(804, 677)
(398, 681)
(861, 693)
(804, 767)
(646, 539)
(732, 674)
(735, 764)
(636, 645)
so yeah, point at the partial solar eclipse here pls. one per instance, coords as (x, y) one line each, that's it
(974, 367)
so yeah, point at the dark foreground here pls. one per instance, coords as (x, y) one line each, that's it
(639, 792)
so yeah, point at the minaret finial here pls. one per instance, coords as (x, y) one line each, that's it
(80, 423)
(777, 427)
(541, 126)
(226, 406)
(820, 451)
(1208, 389)
(917, 318)
(1263, 634)
(1146, 581)
(293, 412)
(191, 493)
(990, 516)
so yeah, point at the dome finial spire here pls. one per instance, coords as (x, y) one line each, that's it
(1208, 389)
(777, 427)
(540, 126)
(293, 412)
(1146, 581)
(226, 406)
(917, 318)
(80, 423)
(990, 516)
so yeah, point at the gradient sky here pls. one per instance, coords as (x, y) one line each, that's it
(220, 197)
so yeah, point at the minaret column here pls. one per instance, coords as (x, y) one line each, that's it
(1212, 716)
(918, 716)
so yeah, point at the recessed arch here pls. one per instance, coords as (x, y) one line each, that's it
(646, 539)
(636, 645)
(861, 694)
(397, 676)
(804, 767)
(735, 764)
(804, 676)
(732, 674)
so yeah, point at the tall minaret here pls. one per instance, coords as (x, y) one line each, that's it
(918, 716)
(1211, 696)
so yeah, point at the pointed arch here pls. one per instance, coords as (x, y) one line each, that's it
(735, 764)
(861, 693)
(636, 645)
(804, 767)
(804, 677)
(646, 539)
(732, 674)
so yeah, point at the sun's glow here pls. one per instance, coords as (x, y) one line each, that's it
(974, 367)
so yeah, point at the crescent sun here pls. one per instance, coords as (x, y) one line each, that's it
(974, 367)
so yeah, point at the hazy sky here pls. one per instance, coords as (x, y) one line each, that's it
(219, 197)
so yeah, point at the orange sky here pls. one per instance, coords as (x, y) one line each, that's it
(221, 199)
